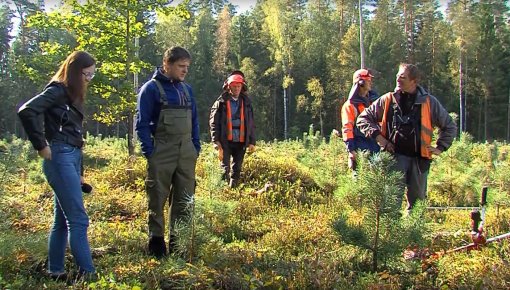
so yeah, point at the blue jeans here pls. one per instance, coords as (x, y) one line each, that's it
(70, 218)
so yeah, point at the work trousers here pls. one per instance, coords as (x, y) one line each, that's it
(236, 151)
(171, 171)
(415, 170)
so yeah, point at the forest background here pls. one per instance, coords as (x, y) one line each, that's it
(298, 56)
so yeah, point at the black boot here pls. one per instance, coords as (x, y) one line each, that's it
(233, 183)
(157, 247)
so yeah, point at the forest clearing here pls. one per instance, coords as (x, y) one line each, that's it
(298, 221)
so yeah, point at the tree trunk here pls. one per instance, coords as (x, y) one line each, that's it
(480, 111)
(508, 119)
(131, 145)
(462, 103)
(321, 121)
(340, 5)
(361, 47)
(408, 28)
(285, 114)
(485, 115)
(275, 92)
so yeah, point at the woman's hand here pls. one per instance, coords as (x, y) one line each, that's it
(251, 148)
(45, 153)
(217, 146)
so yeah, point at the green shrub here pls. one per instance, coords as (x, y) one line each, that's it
(279, 230)
(373, 219)
(291, 183)
(485, 269)
(454, 179)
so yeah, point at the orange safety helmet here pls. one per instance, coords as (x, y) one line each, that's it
(236, 76)
(235, 79)
(361, 74)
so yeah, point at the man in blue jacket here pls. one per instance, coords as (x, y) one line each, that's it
(167, 126)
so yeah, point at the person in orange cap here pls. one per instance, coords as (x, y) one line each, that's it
(232, 126)
(360, 97)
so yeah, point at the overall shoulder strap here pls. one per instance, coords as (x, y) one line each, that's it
(162, 94)
(186, 92)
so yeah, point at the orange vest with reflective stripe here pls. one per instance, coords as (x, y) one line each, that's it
(426, 129)
(349, 119)
(229, 122)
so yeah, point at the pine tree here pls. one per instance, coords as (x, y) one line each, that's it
(373, 218)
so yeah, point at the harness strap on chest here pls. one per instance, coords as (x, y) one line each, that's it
(162, 94)
(164, 100)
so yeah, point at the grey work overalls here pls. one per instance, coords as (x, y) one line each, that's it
(171, 167)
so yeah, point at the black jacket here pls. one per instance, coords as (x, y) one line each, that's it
(218, 120)
(63, 121)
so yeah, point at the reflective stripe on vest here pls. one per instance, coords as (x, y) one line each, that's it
(350, 118)
(242, 128)
(426, 129)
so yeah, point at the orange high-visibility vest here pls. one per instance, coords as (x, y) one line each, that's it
(349, 116)
(426, 129)
(229, 122)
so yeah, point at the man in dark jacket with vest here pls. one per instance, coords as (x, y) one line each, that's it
(402, 123)
(167, 126)
(232, 126)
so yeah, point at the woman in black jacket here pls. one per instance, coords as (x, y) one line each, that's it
(59, 140)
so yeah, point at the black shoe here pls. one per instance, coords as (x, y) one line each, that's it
(58, 277)
(234, 183)
(86, 277)
(157, 247)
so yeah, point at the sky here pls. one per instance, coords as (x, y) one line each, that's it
(241, 7)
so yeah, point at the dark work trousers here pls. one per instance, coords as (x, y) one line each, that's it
(171, 170)
(235, 150)
(415, 170)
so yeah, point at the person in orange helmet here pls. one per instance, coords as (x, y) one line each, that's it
(232, 126)
(360, 97)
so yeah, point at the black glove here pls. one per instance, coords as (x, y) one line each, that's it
(86, 188)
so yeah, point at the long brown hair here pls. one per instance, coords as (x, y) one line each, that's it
(70, 74)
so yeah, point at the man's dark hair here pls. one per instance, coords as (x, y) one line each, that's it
(237, 72)
(414, 72)
(176, 53)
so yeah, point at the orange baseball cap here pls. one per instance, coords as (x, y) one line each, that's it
(361, 74)
(235, 79)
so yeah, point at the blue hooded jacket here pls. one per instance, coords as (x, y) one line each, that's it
(149, 107)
